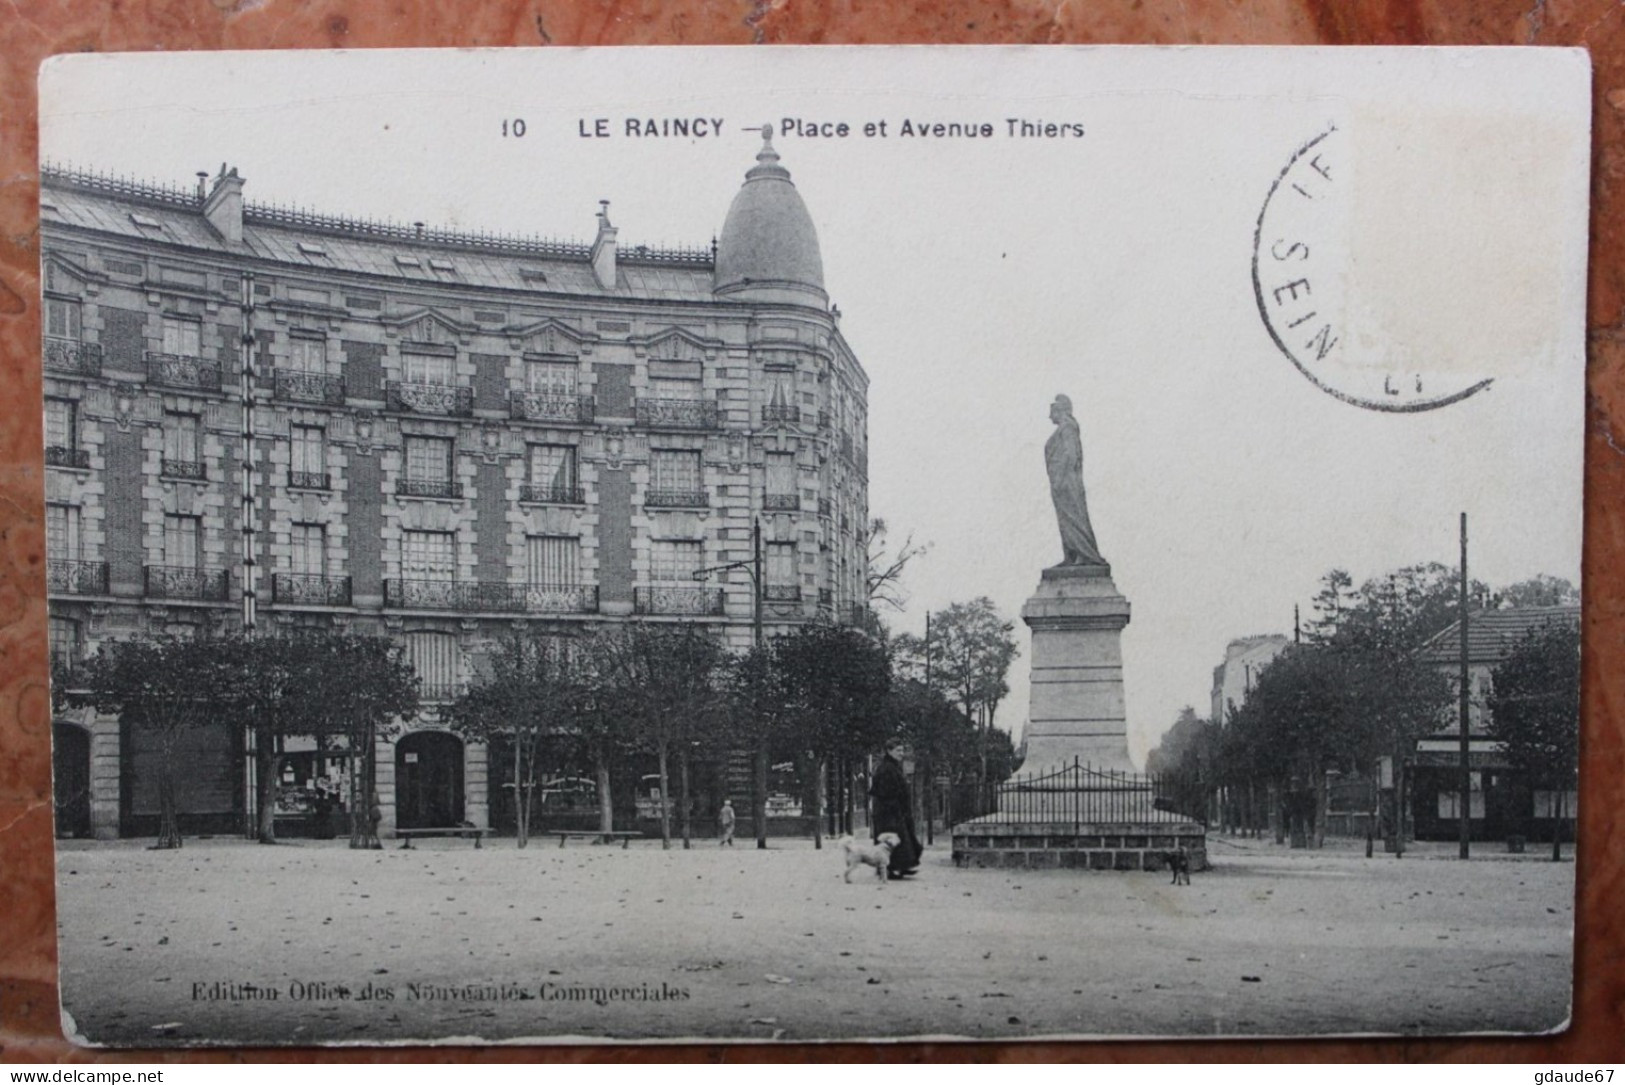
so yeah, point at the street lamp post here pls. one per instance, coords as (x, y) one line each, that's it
(753, 567)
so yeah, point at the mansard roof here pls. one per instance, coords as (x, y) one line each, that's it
(145, 213)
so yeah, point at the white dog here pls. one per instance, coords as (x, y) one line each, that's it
(877, 855)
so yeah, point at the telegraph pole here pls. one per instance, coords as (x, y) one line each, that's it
(1464, 808)
(759, 806)
(753, 566)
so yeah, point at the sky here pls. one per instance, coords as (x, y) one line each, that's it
(979, 277)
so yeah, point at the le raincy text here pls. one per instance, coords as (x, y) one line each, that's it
(813, 128)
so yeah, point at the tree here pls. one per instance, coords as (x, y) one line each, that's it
(1397, 612)
(831, 684)
(534, 690)
(1539, 591)
(165, 687)
(1535, 712)
(1170, 751)
(366, 689)
(1329, 705)
(281, 686)
(967, 655)
(665, 679)
(884, 578)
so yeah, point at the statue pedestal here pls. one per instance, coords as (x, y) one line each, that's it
(1077, 803)
(1077, 710)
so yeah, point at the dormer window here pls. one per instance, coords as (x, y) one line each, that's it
(443, 265)
(407, 260)
(146, 222)
(310, 249)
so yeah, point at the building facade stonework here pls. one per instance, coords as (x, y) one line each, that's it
(450, 436)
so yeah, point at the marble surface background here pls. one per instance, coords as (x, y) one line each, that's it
(29, 32)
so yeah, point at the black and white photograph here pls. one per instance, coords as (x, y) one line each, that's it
(813, 544)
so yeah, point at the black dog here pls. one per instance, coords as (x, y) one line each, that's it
(1180, 863)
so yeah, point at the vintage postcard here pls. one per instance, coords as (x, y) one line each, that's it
(813, 544)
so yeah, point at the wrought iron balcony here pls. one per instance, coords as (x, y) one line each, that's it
(680, 599)
(182, 371)
(676, 499)
(191, 470)
(466, 595)
(676, 413)
(781, 593)
(185, 582)
(447, 399)
(560, 598)
(300, 387)
(772, 415)
(57, 456)
(547, 407)
(782, 502)
(310, 589)
(63, 577)
(309, 480)
(440, 692)
(72, 356)
(428, 487)
(552, 495)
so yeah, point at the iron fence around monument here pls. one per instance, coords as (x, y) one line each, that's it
(1081, 794)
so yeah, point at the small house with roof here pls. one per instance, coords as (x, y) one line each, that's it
(1500, 801)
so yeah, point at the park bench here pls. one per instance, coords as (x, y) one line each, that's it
(407, 835)
(623, 835)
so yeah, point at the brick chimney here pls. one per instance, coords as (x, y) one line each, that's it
(603, 249)
(223, 206)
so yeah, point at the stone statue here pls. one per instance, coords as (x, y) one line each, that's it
(1063, 455)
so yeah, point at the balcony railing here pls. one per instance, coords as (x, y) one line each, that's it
(547, 407)
(57, 456)
(677, 413)
(676, 499)
(309, 480)
(64, 577)
(301, 387)
(683, 599)
(782, 502)
(191, 470)
(468, 595)
(552, 495)
(310, 589)
(181, 582)
(428, 487)
(429, 398)
(772, 415)
(182, 371)
(781, 593)
(72, 356)
(560, 598)
(440, 692)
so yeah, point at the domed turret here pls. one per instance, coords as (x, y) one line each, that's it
(768, 250)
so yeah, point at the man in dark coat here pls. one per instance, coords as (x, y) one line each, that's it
(893, 812)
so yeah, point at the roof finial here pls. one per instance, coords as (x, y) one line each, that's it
(767, 155)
